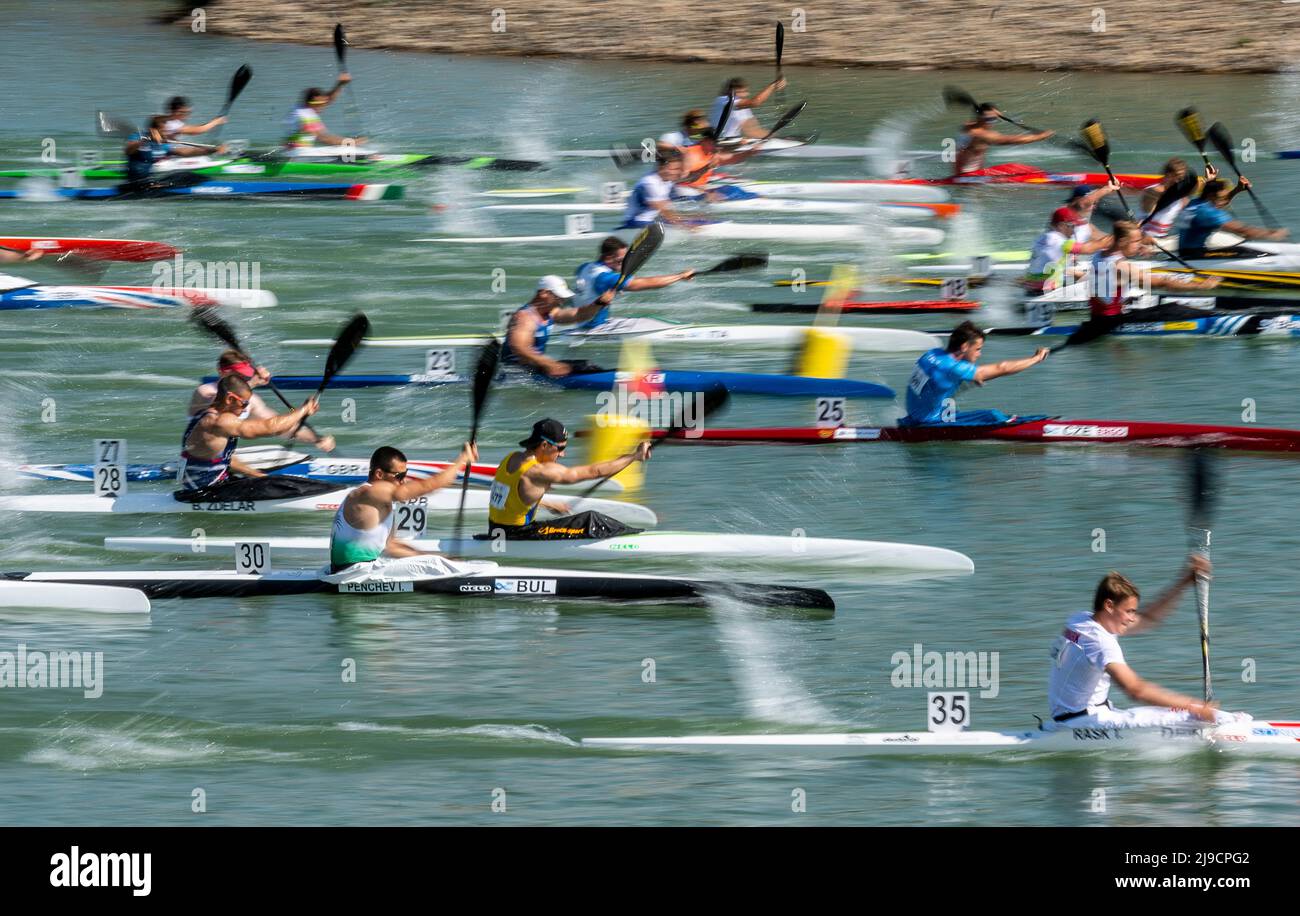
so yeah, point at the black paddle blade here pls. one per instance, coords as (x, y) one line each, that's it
(1222, 140)
(643, 246)
(207, 319)
(345, 346)
(340, 46)
(1202, 488)
(790, 114)
(238, 82)
(1095, 137)
(1189, 122)
(1183, 187)
(485, 371)
(714, 398)
(109, 126)
(780, 43)
(723, 118)
(738, 262)
(954, 96)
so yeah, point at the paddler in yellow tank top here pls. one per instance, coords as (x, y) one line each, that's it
(524, 478)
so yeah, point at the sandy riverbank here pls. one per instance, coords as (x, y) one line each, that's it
(1134, 35)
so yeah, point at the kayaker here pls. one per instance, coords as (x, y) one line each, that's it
(1113, 277)
(530, 326)
(978, 134)
(651, 197)
(742, 122)
(211, 437)
(1209, 214)
(1051, 261)
(178, 112)
(232, 362)
(306, 128)
(524, 478)
(701, 159)
(1087, 657)
(692, 123)
(1158, 225)
(1083, 200)
(363, 524)
(594, 281)
(146, 148)
(940, 373)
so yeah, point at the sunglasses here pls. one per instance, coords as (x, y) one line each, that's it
(396, 475)
(559, 446)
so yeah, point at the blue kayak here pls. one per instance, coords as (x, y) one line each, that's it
(671, 380)
(223, 190)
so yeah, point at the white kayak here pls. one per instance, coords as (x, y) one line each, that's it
(907, 236)
(444, 502)
(751, 205)
(617, 330)
(862, 557)
(835, 190)
(93, 599)
(1266, 738)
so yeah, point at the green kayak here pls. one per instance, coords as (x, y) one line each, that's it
(270, 165)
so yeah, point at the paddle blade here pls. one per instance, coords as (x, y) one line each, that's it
(1222, 140)
(1189, 122)
(780, 43)
(485, 371)
(954, 96)
(623, 156)
(737, 262)
(1183, 187)
(723, 118)
(790, 114)
(345, 346)
(107, 125)
(207, 320)
(1094, 136)
(643, 246)
(340, 46)
(1202, 489)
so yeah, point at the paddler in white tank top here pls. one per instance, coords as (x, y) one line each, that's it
(178, 113)
(1087, 657)
(742, 122)
(363, 523)
(977, 135)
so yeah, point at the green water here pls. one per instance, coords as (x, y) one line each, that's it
(245, 699)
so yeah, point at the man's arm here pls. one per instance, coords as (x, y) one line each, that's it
(412, 488)
(558, 474)
(1149, 694)
(1009, 366)
(190, 129)
(754, 101)
(231, 425)
(260, 411)
(658, 282)
(1163, 606)
(1253, 232)
(997, 138)
(521, 345)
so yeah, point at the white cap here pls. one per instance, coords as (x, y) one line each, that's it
(553, 284)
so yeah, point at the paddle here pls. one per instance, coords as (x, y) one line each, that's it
(1223, 143)
(724, 118)
(1099, 148)
(1202, 488)
(208, 320)
(780, 49)
(784, 121)
(1189, 122)
(341, 54)
(237, 84)
(736, 262)
(952, 95)
(640, 249)
(715, 397)
(107, 125)
(485, 371)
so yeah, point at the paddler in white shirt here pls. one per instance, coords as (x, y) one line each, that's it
(1159, 225)
(363, 524)
(742, 122)
(232, 362)
(530, 326)
(1087, 657)
(306, 128)
(595, 281)
(178, 112)
(978, 134)
(524, 478)
(651, 197)
(1051, 262)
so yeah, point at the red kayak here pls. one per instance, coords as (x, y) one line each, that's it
(95, 249)
(1019, 173)
(898, 307)
(1040, 430)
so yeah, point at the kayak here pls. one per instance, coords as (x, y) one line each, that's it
(1258, 324)
(222, 190)
(752, 205)
(668, 380)
(274, 459)
(1040, 430)
(275, 164)
(480, 580)
(94, 249)
(444, 502)
(899, 307)
(617, 330)
(1267, 738)
(801, 147)
(826, 190)
(95, 599)
(863, 557)
(129, 297)
(1018, 173)
(768, 232)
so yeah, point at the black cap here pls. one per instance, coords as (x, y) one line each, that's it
(546, 429)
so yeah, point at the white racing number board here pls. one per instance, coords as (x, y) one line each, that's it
(947, 712)
(109, 475)
(252, 558)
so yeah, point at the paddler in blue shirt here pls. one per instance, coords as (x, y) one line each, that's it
(1209, 214)
(650, 199)
(530, 328)
(595, 280)
(940, 373)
